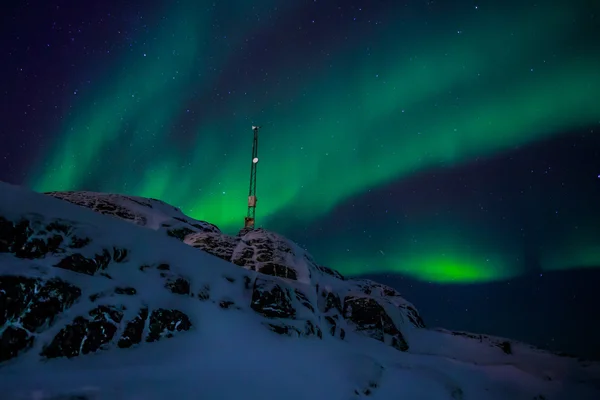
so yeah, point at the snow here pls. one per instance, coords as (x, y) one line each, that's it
(150, 213)
(229, 354)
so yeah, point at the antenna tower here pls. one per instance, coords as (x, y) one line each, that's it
(250, 216)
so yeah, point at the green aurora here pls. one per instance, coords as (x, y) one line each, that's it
(376, 107)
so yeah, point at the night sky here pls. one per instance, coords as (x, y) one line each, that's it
(450, 149)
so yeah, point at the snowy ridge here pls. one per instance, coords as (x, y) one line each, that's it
(150, 213)
(96, 308)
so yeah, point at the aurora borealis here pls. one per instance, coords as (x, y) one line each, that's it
(448, 143)
(352, 98)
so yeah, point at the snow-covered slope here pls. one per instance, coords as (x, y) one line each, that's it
(150, 213)
(164, 307)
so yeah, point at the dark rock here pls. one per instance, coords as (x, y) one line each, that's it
(67, 342)
(457, 393)
(101, 204)
(59, 226)
(163, 267)
(244, 258)
(213, 243)
(32, 238)
(95, 296)
(19, 244)
(283, 329)
(89, 266)
(107, 313)
(119, 255)
(229, 279)
(271, 300)
(505, 346)
(178, 286)
(332, 301)
(331, 272)
(8, 235)
(333, 324)
(265, 253)
(179, 233)
(414, 317)
(226, 304)
(371, 319)
(13, 341)
(53, 244)
(134, 330)
(304, 300)
(26, 239)
(125, 290)
(332, 321)
(468, 335)
(207, 227)
(204, 293)
(33, 303)
(309, 329)
(85, 336)
(279, 270)
(78, 243)
(164, 322)
(16, 292)
(54, 297)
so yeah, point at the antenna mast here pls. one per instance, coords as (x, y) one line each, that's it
(250, 216)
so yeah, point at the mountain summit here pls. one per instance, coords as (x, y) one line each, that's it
(106, 296)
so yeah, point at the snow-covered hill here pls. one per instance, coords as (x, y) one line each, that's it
(119, 297)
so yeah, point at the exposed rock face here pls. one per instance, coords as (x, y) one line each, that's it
(215, 243)
(263, 252)
(134, 330)
(164, 323)
(32, 237)
(28, 306)
(371, 319)
(271, 300)
(139, 211)
(390, 296)
(85, 335)
(283, 285)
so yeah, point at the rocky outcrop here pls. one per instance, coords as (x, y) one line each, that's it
(284, 285)
(85, 335)
(28, 306)
(34, 237)
(217, 244)
(272, 300)
(94, 333)
(164, 323)
(257, 250)
(138, 210)
(134, 330)
(371, 319)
